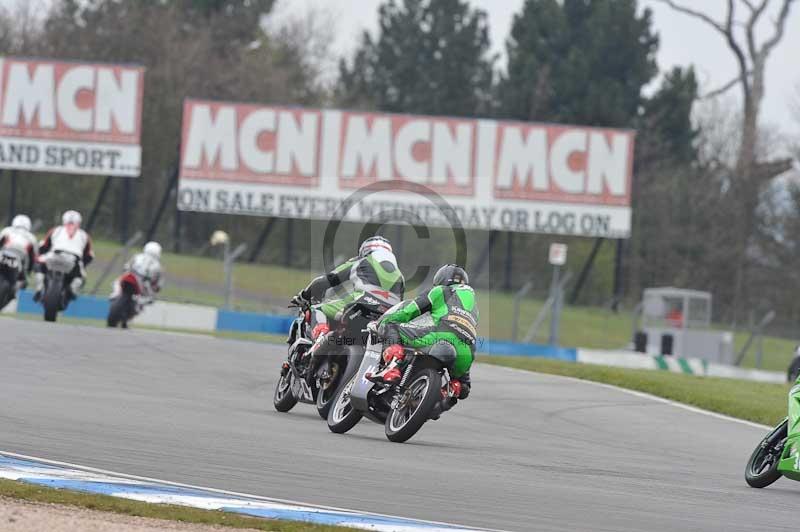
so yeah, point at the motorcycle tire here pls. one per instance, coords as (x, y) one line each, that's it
(6, 294)
(755, 474)
(118, 311)
(282, 398)
(341, 416)
(326, 396)
(425, 387)
(52, 300)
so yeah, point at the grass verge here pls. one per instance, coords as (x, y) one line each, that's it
(754, 401)
(106, 503)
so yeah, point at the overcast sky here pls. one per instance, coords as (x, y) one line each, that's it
(683, 41)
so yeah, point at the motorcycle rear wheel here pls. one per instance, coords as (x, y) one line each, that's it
(341, 416)
(424, 391)
(52, 300)
(118, 312)
(762, 468)
(283, 399)
(327, 392)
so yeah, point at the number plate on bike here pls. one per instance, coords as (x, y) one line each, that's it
(9, 261)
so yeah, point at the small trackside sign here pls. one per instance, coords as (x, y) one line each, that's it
(294, 162)
(76, 118)
(558, 254)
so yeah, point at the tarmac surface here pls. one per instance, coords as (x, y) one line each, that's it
(525, 452)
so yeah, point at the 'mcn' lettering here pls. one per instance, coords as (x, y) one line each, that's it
(608, 164)
(366, 149)
(523, 159)
(27, 96)
(211, 139)
(117, 100)
(452, 155)
(297, 143)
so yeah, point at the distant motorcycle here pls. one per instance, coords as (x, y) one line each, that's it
(316, 379)
(12, 262)
(129, 295)
(57, 295)
(404, 406)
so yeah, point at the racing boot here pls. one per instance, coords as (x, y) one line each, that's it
(393, 357)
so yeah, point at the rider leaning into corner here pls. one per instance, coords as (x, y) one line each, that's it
(67, 238)
(374, 271)
(453, 322)
(147, 266)
(18, 236)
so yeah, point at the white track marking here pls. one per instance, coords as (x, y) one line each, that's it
(643, 395)
(224, 492)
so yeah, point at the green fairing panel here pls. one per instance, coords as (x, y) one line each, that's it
(790, 459)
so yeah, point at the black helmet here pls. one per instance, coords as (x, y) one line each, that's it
(450, 274)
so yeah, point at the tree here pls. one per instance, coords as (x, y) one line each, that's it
(430, 56)
(578, 62)
(749, 175)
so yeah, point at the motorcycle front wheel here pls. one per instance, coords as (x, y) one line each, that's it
(762, 468)
(5, 292)
(283, 399)
(421, 396)
(52, 300)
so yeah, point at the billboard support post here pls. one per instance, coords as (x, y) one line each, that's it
(483, 257)
(617, 276)
(289, 241)
(98, 202)
(585, 271)
(12, 198)
(125, 210)
(171, 186)
(509, 260)
(262, 239)
(176, 235)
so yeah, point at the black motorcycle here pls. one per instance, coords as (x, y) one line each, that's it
(12, 263)
(316, 377)
(404, 406)
(57, 294)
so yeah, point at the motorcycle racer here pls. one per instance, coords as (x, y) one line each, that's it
(67, 238)
(147, 266)
(18, 236)
(373, 271)
(453, 313)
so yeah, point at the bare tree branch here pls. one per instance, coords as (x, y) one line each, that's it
(724, 88)
(780, 26)
(755, 15)
(736, 48)
(693, 13)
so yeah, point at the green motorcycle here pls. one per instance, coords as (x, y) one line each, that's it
(778, 454)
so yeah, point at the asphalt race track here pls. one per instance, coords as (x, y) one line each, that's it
(526, 452)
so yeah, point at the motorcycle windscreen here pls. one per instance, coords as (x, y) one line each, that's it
(358, 394)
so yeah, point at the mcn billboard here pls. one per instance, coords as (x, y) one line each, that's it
(307, 163)
(76, 118)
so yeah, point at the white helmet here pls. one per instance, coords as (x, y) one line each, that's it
(21, 221)
(372, 243)
(71, 217)
(153, 249)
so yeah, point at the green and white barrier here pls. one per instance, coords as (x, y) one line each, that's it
(688, 366)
